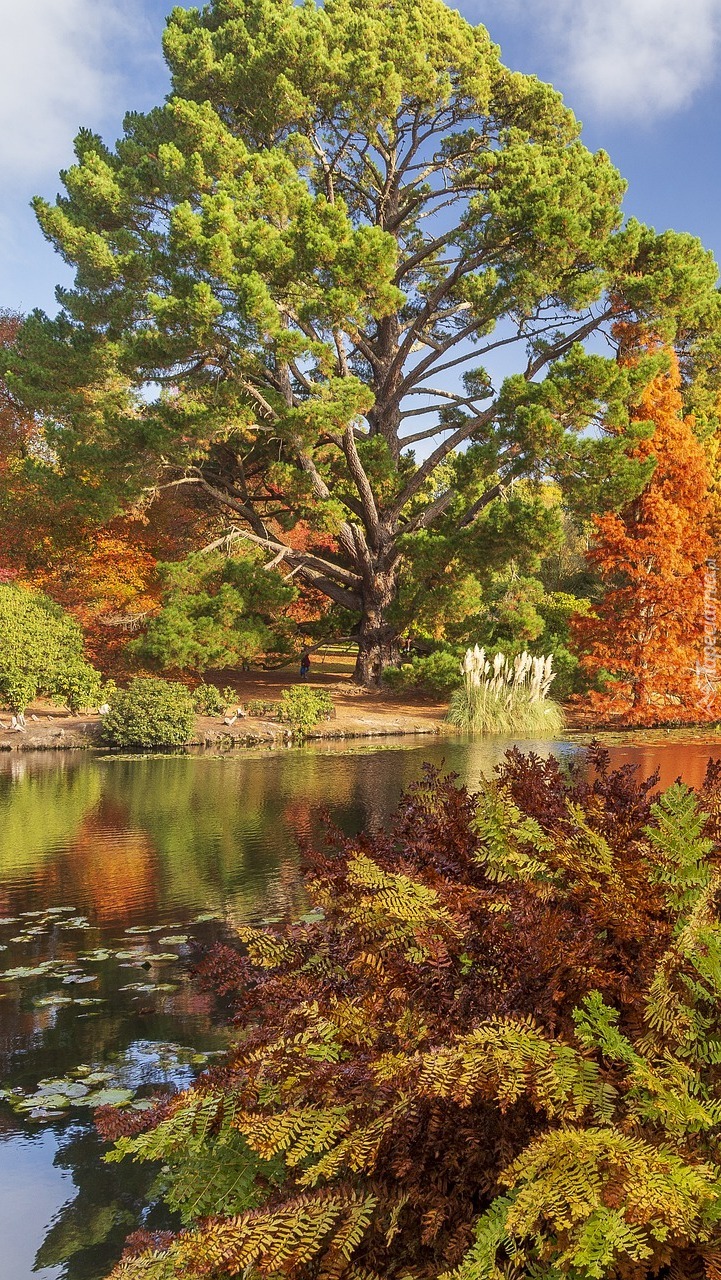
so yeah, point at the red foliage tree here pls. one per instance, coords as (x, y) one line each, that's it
(647, 632)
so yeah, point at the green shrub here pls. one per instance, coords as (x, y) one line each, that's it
(303, 709)
(262, 708)
(41, 652)
(150, 713)
(79, 686)
(508, 697)
(208, 700)
(437, 673)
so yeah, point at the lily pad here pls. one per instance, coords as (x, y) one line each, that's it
(79, 979)
(9, 919)
(49, 1101)
(173, 940)
(206, 915)
(28, 971)
(100, 954)
(162, 956)
(108, 1098)
(72, 1089)
(86, 1000)
(51, 1002)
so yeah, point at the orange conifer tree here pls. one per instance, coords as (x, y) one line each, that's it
(647, 632)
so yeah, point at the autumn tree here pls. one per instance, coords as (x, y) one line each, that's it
(316, 249)
(646, 632)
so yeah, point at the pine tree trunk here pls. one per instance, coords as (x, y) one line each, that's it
(377, 638)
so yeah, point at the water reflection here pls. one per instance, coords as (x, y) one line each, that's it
(130, 843)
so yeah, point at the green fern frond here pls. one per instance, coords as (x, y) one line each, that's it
(186, 1129)
(512, 846)
(582, 1200)
(682, 867)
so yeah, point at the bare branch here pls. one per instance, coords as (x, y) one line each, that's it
(418, 436)
(304, 559)
(362, 484)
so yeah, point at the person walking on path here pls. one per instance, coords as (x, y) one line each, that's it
(304, 664)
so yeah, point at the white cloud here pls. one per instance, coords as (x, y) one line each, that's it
(63, 63)
(622, 58)
(638, 57)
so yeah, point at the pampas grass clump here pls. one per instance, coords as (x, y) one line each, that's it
(506, 697)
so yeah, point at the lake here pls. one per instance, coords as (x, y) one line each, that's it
(111, 868)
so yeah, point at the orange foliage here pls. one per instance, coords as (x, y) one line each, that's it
(108, 579)
(106, 583)
(311, 605)
(104, 576)
(648, 630)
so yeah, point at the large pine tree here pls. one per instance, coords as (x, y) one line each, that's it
(360, 259)
(647, 632)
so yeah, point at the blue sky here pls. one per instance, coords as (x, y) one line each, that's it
(643, 76)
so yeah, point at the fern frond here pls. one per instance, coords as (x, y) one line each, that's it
(682, 868)
(512, 846)
(581, 1200)
(266, 949)
(508, 1058)
(265, 1241)
(299, 1132)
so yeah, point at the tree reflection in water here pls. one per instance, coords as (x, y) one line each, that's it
(109, 1203)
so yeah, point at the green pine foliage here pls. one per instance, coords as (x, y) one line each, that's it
(216, 612)
(490, 1051)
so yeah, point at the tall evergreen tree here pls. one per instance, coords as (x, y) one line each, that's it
(316, 249)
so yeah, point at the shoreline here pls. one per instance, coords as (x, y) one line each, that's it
(359, 714)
